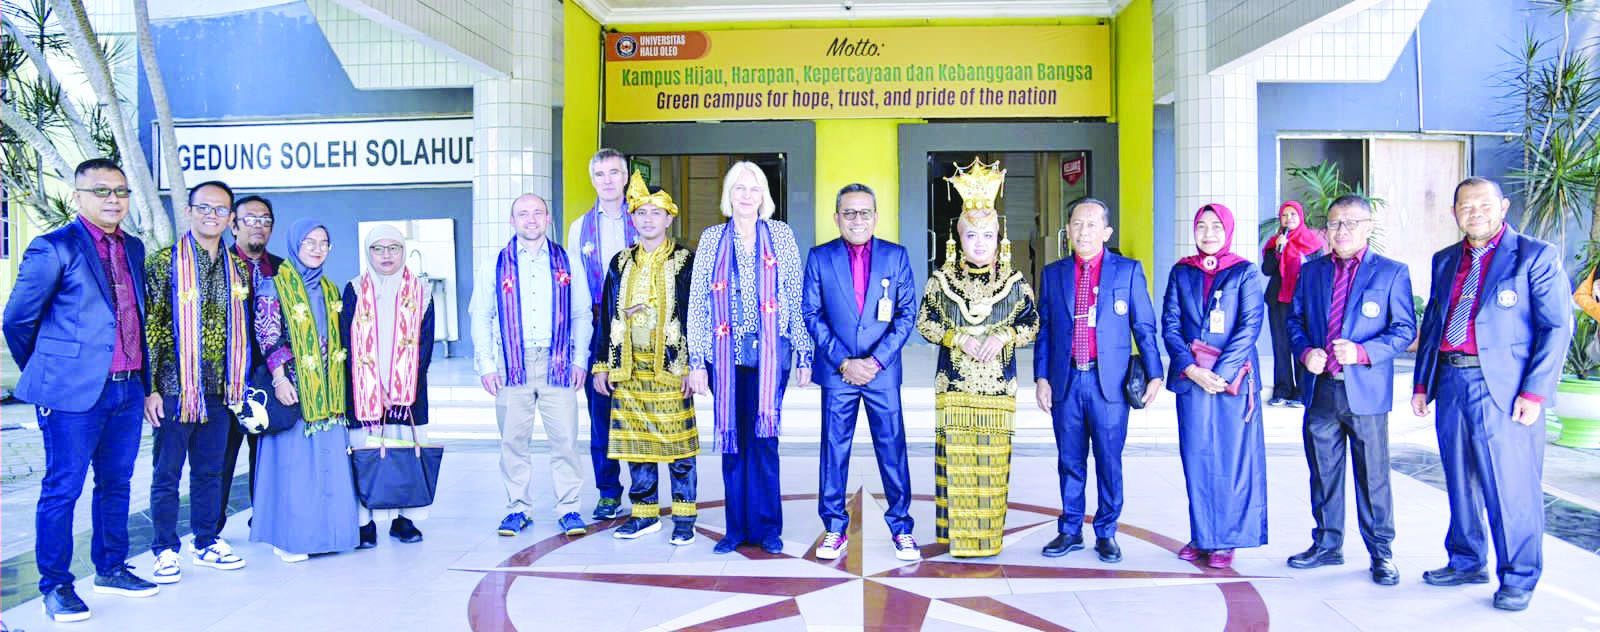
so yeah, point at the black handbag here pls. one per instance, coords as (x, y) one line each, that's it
(1134, 383)
(261, 414)
(396, 478)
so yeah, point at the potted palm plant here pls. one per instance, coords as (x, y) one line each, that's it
(1558, 84)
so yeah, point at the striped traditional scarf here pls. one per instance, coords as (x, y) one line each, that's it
(509, 304)
(723, 275)
(589, 234)
(370, 394)
(186, 326)
(320, 381)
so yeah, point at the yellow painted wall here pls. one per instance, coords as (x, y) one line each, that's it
(859, 150)
(1134, 58)
(580, 122)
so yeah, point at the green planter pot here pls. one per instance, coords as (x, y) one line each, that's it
(1578, 406)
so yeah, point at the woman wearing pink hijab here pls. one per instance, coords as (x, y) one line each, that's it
(1210, 320)
(1281, 258)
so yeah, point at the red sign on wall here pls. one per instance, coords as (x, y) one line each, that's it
(1072, 171)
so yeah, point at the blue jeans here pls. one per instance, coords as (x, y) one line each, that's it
(107, 437)
(203, 444)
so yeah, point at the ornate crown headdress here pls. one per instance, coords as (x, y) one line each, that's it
(979, 184)
(639, 195)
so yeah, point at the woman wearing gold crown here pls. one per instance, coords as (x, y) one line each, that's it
(979, 311)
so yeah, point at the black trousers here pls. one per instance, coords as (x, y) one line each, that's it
(644, 489)
(1284, 376)
(237, 437)
(1329, 426)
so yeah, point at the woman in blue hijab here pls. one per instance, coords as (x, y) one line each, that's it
(305, 500)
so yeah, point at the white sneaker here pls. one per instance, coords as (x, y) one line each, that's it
(833, 545)
(905, 548)
(290, 557)
(219, 555)
(168, 569)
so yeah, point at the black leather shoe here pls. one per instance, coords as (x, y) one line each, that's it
(1107, 550)
(772, 544)
(726, 545)
(1452, 576)
(369, 536)
(1513, 599)
(1315, 557)
(62, 605)
(1384, 572)
(1063, 544)
(404, 530)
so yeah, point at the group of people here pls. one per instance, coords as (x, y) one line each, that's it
(218, 346)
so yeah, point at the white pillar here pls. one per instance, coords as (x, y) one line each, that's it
(511, 126)
(1215, 121)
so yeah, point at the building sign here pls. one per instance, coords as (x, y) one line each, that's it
(329, 153)
(920, 72)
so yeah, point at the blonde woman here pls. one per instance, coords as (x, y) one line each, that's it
(744, 324)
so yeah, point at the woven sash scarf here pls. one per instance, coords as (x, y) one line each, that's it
(186, 301)
(320, 379)
(723, 276)
(370, 394)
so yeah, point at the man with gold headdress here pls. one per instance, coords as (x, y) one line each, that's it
(979, 311)
(641, 363)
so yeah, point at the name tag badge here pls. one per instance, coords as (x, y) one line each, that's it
(1094, 314)
(885, 305)
(1369, 309)
(1217, 318)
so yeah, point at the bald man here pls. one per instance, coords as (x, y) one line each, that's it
(531, 320)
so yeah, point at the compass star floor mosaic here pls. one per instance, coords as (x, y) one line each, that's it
(464, 577)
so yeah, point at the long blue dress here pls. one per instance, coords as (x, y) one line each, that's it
(1219, 436)
(305, 499)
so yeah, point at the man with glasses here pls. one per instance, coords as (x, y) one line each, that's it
(1494, 337)
(74, 325)
(860, 305)
(252, 227)
(597, 237)
(198, 336)
(1093, 309)
(1351, 315)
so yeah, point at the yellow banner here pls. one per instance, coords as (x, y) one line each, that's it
(918, 72)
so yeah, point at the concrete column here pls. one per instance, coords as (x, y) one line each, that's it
(1215, 125)
(511, 123)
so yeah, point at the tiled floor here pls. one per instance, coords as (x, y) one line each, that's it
(464, 577)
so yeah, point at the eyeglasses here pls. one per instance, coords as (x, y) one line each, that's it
(853, 214)
(1336, 226)
(315, 245)
(256, 221)
(386, 250)
(214, 211)
(105, 192)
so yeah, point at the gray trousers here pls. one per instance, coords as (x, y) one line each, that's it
(515, 409)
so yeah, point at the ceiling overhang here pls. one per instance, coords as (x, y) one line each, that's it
(620, 12)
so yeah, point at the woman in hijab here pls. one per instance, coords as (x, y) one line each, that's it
(1210, 320)
(304, 494)
(1281, 258)
(388, 315)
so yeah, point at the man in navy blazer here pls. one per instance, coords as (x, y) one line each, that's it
(1351, 315)
(1494, 338)
(860, 306)
(1093, 307)
(74, 324)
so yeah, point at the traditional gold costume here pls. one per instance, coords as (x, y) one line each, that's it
(975, 401)
(645, 305)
